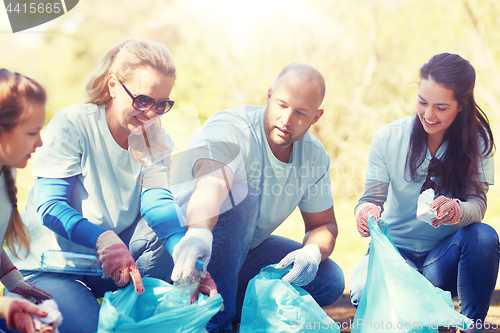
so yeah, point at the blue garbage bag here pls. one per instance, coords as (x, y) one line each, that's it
(161, 308)
(272, 305)
(396, 297)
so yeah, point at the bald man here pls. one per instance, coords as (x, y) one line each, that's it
(247, 170)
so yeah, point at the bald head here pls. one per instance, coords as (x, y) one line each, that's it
(304, 72)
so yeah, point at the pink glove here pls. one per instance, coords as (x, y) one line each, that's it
(15, 283)
(117, 261)
(206, 286)
(362, 218)
(17, 313)
(448, 211)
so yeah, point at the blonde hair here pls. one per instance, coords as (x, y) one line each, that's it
(16, 92)
(123, 58)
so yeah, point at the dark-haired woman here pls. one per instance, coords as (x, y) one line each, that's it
(448, 146)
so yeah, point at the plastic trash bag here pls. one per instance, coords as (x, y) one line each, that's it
(272, 305)
(161, 308)
(396, 297)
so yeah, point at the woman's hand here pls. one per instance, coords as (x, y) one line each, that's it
(363, 215)
(15, 283)
(447, 211)
(17, 313)
(117, 261)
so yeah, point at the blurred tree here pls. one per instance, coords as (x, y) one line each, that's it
(230, 52)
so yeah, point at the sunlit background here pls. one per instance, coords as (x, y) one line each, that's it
(228, 52)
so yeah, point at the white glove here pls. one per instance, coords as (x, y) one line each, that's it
(305, 265)
(196, 244)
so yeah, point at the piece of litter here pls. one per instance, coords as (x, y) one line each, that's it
(424, 213)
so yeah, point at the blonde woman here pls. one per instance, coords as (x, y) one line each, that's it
(22, 116)
(87, 197)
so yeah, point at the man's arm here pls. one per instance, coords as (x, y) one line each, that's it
(321, 230)
(213, 180)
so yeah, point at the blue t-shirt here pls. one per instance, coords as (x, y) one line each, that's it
(236, 137)
(386, 163)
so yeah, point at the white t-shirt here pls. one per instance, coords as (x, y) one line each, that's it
(386, 163)
(78, 142)
(236, 137)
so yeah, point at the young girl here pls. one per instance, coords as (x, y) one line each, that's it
(87, 197)
(448, 146)
(22, 116)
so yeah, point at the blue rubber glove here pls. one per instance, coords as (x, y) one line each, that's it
(305, 265)
(195, 245)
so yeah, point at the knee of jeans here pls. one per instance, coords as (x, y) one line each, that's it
(152, 258)
(488, 236)
(358, 280)
(356, 290)
(355, 294)
(140, 245)
(332, 284)
(484, 234)
(250, 202)
(137, 247)
(357, 285)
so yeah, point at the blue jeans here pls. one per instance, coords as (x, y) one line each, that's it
(233, 264)
(465, 264)
(3, 326)
(76, 294)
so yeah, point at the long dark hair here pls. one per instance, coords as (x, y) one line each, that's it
(17, 92)
(466, 135)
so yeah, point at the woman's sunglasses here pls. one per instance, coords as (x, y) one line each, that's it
(432, 171)
(144, 103)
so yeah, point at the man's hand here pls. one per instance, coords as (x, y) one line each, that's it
(196, 244)
(117, 261)
(447, 211)
(362, 218)
(206, 286)
(305, 265)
